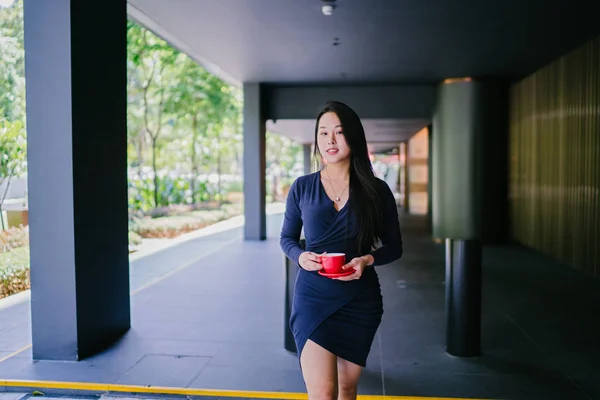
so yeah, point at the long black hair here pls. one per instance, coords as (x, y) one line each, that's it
(364, 199)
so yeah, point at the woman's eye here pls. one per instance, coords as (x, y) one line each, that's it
(340, 133)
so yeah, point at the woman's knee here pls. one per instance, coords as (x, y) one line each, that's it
(348, 376)
(323, 391)
(347, 390)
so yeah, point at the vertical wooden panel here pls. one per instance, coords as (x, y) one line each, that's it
(555, 159)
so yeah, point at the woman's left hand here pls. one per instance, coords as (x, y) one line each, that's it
(359, 264)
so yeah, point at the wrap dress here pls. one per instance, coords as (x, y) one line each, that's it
(340, 316)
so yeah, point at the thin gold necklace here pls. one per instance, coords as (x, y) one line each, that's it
(337, 198)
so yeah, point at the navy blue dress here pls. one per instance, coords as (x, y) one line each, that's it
(340, 316)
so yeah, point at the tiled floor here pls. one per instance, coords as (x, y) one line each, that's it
(219, 323)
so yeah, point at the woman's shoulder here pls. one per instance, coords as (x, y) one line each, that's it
(303, 183)
(305, 180)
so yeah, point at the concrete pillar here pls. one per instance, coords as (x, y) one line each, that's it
(254, 162)
(307, 158)
(77, 163)
(470, 161)
(469, 196)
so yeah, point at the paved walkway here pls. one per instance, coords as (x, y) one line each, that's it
(154, 261)
(217, 323)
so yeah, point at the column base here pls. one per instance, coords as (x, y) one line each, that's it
(463, 298)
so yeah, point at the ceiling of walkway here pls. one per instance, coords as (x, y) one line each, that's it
(382, 133)
(417, 41)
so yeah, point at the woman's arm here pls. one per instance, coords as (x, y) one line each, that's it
(391, 238)
(292, 225)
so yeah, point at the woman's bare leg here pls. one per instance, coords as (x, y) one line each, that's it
(319, 368)
(348, 376)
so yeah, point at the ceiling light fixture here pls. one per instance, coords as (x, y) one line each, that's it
(454, 80)
(328, 7)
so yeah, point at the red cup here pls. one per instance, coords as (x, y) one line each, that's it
(333, 262)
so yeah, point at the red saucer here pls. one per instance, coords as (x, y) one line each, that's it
(338, 274)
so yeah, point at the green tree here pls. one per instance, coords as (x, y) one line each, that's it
(209, 108)
(283, 151)
(12, 64)
(13, 147)
(181, 118)
(12, 98)
(283, 155)
(151, 63)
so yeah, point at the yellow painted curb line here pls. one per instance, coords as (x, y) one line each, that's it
(107, 387)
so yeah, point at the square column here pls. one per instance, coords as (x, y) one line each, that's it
(307, 148)
(255, 163)
(75, 67)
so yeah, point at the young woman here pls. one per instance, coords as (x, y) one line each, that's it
(343, 208)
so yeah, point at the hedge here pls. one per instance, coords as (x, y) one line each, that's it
(14, 271)
(175, 225)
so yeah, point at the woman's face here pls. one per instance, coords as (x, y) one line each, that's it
(330, 139)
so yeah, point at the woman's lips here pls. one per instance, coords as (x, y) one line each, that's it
(332, 151)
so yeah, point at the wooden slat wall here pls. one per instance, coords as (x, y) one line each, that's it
(555, 159)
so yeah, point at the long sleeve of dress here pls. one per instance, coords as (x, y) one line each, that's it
(391, 239)
(292, 226)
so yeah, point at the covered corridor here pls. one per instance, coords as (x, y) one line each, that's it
(510, 95)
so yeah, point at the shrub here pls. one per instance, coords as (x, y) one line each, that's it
(13, 238)
(234, 186)
(14, 271)
(134, 239)
(169, 227)
(175, 225)
(171, 190)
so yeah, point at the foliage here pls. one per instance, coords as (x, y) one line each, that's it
(13, 238)
(285, 153)
(12, 96)
(174, 190)
(284, 163)
(182, 120)
(12, 156)
(12, 64)
(174, 225)
(13, 147)
(134, 239)
(152, 67)
(14, 271)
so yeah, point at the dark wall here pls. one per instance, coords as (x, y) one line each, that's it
(494, 112)
(555, 159)
(402, 102)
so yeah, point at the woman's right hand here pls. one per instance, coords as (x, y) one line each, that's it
(310, 261)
